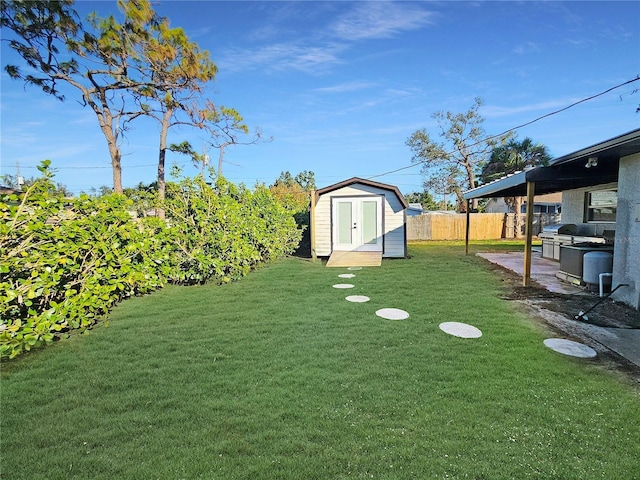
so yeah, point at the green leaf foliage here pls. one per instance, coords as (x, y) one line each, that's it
(223, 233)
(64, 263)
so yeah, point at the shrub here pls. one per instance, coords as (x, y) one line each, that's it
(66, 262)
(222, 233)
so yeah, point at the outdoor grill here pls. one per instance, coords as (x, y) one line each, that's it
(554, 236)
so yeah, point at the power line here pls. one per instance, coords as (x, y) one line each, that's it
(86, 167)
(555, 112)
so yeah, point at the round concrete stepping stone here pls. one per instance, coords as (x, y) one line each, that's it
(357, 298)
(392, 313)
(569, 347)
(346, 275)
(462, 330)
(354, 268)
(343, 285)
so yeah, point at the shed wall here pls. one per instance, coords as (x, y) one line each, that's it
(393, 220)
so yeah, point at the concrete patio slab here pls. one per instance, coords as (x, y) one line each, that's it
(624, 341)
(543, 270)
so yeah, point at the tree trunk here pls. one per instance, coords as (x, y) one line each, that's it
(106, 121)
(221, 158)
(161, 184)
(116, 164)
(161, 162)
(471, 178)
(517, 224)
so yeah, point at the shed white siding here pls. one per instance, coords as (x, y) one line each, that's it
(394, 240)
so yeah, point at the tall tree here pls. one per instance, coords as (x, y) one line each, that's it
(176, 70)
(444, 183)
(226, 127)
(292, 191)
(424, 198)
(513, 157)
(510, 158)
(97, 59)
(463, 149)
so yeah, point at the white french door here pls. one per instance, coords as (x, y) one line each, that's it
(357, 224)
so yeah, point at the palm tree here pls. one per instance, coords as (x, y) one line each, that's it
(513, 157)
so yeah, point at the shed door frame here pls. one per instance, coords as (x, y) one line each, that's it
(357, 223)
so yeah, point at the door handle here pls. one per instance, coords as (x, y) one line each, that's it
(354, 225)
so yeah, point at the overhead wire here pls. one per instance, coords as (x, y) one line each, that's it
(491, 137)
(406, 167)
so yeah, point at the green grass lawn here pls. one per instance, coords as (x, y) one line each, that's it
(278, 377)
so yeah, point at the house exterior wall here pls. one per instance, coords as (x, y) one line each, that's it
(548, 203)
(393, 219)
(626, 256)
(573, 210)
(626, 259)
(496, 205)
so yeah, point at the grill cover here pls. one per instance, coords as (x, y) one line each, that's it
(560, 229)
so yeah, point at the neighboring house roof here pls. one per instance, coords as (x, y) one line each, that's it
(370, 183)
(415, 209)
(8, 190)
(567, 172)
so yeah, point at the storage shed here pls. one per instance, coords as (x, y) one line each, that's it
(359, 215)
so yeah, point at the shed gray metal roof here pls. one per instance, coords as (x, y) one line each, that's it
(370, 183)
(566, 172)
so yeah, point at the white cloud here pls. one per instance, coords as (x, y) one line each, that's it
(345, 87)
(544, 107)
(529, 47)
(282, 56)
(318, 50)
(370, 20)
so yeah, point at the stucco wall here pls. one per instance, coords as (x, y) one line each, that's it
(626, 256)
(626, 260)
(393, 219)
(573, 210)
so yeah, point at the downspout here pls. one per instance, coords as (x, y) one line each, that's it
(526, 275)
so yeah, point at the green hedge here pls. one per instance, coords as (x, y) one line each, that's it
(66, 262)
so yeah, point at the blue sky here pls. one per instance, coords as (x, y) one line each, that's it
(340, 86)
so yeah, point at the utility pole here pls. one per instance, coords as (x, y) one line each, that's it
(19, 178)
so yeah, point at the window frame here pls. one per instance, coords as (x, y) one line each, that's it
(590, 207)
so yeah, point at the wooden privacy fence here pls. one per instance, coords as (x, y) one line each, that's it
(483, 226)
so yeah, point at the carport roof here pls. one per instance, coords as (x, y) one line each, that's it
(566, 172)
